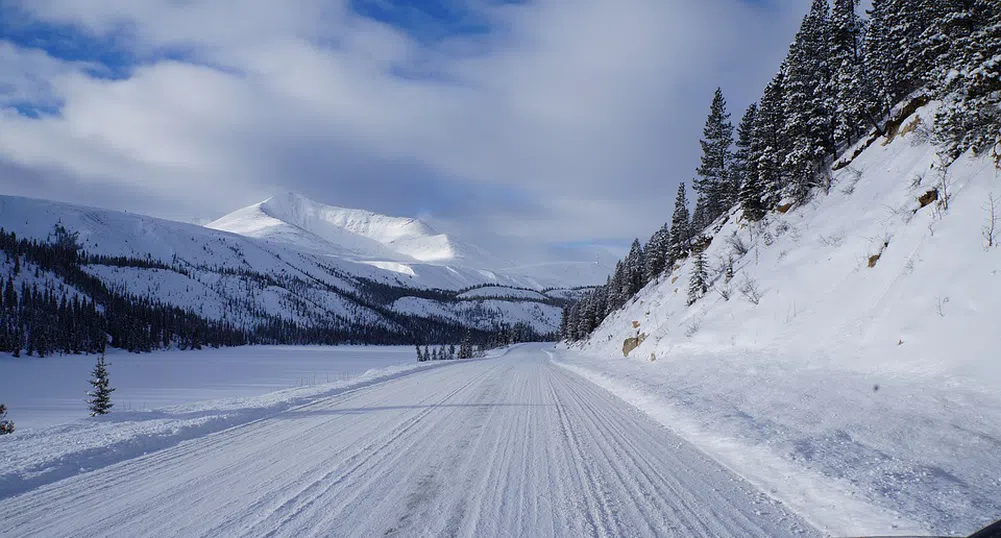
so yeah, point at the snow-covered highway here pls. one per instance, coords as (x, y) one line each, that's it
(512, 446)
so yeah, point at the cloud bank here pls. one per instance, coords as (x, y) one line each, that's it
(528, 124)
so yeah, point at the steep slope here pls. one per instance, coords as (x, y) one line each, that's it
(853, 356)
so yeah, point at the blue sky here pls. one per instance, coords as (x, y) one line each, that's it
(536, 128)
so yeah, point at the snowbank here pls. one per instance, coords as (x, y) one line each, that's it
(869, 362)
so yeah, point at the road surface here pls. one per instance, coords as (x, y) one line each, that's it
(512, 446)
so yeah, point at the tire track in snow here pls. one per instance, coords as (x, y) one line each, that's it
(514, 446)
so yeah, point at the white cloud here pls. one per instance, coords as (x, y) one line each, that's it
(588, 110)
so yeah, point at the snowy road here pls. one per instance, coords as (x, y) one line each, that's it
(513, 446)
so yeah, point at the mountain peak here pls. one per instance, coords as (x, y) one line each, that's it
(290, 217)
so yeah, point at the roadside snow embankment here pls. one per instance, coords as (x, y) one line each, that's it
(35, 457)
(850, 365)
(916, 455)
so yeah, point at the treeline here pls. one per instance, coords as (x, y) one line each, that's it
(839, 83)
(76, 312)
(48, 318)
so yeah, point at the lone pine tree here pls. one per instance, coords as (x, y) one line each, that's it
(715, 184)
(698, 285)
(680, 228)
(100, 394)
(6, 426)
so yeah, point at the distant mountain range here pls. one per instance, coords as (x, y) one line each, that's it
(292, 260)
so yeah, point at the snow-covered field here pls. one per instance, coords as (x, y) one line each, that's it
(44, 392)
(507, 446)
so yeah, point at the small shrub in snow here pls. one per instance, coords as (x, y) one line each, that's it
(922, 134)
(940, 303)
(990, 229)
(854, 176)
(6, 426)
(749, 289)
(767, 238)
(693, 327)
(782, 228)
(944, 182)
(724, 291)
(738, 245)
(833, 240)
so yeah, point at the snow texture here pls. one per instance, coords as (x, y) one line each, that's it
(225, 276)
(508, 446)
(34, 457)
(868, 372)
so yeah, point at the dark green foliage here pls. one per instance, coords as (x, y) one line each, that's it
(100, 393)
(808, 102)
(681, 233)
(968, 78)
(6, 426)
(745, 167)
(715, 184)
(656, 254)
(770, 142)
(698, 284)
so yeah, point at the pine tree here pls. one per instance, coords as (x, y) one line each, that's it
(420, 356)
(565, 325)
(850, 88)
(656, 251)
(634, 267)
(100, 394)
(808, 104)
(894, 46)
(466, 347)
(746, 167)
(716, 188)
(770, 142)
(698, 284)
(6, 426)
(969, 82)
(451, 352)
(680, 228)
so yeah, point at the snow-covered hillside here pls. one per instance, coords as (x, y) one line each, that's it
(405, 246)
(311, 281)
(294, 219)
(853, 356)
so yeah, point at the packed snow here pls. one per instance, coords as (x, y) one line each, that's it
(867, 374)
(506, 446)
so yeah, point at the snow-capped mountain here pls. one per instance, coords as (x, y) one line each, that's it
(293, 219)
(332, 269)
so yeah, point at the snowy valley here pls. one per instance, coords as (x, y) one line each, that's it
(288, 270)
(810, 348)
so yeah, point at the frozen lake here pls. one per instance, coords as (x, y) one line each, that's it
(43, 392)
